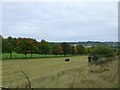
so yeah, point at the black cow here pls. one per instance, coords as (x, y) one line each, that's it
(67, 60)
(89, 58)
(93, 58)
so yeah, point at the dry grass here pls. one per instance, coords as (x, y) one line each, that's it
(56, 73)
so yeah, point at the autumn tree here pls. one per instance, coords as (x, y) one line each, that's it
(25, 46)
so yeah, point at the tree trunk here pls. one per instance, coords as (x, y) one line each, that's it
(64, 54)
(11, 55)
(55, 55)
(31, 55)
(25, 55)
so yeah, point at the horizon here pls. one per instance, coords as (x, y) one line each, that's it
(59, 41)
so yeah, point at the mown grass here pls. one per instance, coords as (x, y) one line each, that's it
(56, 73)
(22, 56)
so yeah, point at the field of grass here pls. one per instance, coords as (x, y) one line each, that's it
(21, 56)
(56, 73)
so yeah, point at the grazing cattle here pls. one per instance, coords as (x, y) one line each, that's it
(67, 60)
(89, 58)
(94, 58)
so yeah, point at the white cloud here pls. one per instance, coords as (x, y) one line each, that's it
(61, 21)
(60, 0)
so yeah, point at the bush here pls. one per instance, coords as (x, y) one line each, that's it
(103, 51)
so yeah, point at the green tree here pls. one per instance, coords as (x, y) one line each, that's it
(80, 49)
(1, 38)
(74, 50)
(104, 51)
(35, 47)
(8, 45)
(66, 48)
(44, 47)
(57, 49)
(118, 51)
(88, 49)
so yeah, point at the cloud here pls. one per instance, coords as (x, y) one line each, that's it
(61, 21)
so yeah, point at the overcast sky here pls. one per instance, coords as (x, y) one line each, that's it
(89, 21)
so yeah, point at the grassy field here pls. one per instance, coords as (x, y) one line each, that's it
(56, 73)
(21, 56)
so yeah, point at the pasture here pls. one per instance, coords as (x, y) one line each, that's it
(17, 56)
(22, 56)
(56, 73)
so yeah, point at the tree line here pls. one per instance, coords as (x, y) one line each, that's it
(31, 46)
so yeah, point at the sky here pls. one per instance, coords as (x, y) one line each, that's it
(61, 21)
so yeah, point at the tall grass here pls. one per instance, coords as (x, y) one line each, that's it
(56, 73)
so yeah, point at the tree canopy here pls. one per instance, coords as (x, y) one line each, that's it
(57, 49)
(80, 49)
(103, 51)
(25, 45)
(44, 47)
(66, 48)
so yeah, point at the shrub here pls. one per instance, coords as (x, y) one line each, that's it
(103, 51)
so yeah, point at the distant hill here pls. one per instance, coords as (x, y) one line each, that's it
(91, 43)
